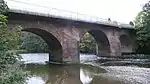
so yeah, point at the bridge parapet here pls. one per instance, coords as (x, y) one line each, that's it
(28, 8)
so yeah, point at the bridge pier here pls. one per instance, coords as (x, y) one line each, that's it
(71, 53)
(115, 46)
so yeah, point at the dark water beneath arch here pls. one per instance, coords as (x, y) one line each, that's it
(93, 70)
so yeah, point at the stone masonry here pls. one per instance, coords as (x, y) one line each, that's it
(63, 36)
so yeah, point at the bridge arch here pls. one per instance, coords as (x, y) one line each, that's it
(53, 43)
(102, 42)
(126, 44)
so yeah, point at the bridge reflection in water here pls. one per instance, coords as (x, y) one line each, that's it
(42, 73)
(73, 74)
(83, 74)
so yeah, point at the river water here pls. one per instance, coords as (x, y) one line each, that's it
(92, 70)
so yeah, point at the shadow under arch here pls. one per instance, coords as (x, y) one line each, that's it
(103, 45)
(126, 44)
(52, 42)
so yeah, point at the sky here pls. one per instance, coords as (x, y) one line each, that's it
(118, 10)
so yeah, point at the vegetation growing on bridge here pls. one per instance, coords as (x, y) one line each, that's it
(10, 72)
(142, 25)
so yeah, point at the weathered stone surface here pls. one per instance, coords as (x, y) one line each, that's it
(63, 36)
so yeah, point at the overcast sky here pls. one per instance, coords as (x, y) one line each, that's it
(119, 10)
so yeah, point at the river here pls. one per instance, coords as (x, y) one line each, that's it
(92, 70)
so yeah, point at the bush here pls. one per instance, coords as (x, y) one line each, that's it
(10, 71)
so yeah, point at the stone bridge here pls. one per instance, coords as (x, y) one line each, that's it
(63, 35)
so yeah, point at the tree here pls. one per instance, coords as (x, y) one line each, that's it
(3, 7)
(146, 7)
(32, 43)
(10, 72)
(88, 44)
(142, 25)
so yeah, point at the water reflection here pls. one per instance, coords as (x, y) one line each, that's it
(35, 80)
(109, 73)
(85, 76)
(54, 74)
(71, 74)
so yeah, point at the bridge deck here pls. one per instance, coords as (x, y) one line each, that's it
(31, 9)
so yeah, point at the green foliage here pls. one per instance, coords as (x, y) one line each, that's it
(88, 44)
(10, 72)
(32, 43)
(142, 25)
(13, 75)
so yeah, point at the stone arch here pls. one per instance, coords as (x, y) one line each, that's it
(52, 42)
(126, 44)
(103, 45)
